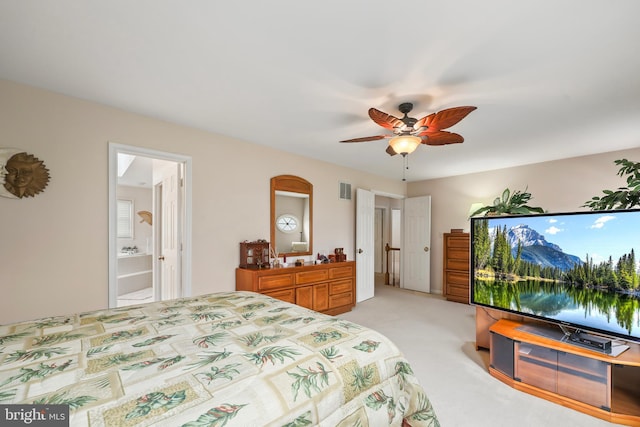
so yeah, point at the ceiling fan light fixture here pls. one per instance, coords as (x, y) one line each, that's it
(405, 144)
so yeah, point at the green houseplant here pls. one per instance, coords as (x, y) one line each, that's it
(624, 197)
(509, 203)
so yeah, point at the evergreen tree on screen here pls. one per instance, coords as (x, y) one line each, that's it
(501, 251)
(517, 263)
(481, 244)
(622, 276)
(627, 277)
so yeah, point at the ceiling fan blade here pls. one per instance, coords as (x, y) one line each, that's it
(443, 119)
(390, 151)
(442, 138)
(385, 120)
(366, 138)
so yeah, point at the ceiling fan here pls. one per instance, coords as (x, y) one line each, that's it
(409, 132)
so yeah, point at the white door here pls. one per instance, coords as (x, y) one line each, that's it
(416, 249)
(170, 236)
(365, 281)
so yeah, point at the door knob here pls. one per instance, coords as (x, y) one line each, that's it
(360, 250)
(426, 248)
(161, 258)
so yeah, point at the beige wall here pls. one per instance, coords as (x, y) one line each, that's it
(54, 247)
(557, 186)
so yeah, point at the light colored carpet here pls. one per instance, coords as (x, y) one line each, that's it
(438, 339)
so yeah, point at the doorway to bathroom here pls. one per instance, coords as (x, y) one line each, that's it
(149, 225)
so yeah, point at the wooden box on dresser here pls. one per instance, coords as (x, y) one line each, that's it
(456, 266)
(328, 288)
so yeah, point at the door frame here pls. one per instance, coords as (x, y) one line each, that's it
(114, 149)
(157, 244)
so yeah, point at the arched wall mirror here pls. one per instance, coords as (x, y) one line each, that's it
(291, 215)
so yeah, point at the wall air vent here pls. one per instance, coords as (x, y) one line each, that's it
(345, 191)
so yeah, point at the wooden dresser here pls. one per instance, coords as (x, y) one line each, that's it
(456, 267)
(328, 288)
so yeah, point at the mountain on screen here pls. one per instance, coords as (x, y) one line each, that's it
(536, 249)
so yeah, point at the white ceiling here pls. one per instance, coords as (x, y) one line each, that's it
(551, 78)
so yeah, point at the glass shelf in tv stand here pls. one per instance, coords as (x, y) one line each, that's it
(563, 334)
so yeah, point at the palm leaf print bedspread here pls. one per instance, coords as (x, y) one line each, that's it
(223, 359)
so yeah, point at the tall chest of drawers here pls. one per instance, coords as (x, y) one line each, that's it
(456, 267)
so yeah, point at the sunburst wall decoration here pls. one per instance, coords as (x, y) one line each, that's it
(21, 174)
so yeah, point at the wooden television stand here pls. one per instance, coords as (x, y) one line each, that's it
(582, 379)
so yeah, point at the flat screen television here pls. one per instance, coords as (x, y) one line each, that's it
(578, 270)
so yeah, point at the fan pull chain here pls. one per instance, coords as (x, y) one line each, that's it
(405, 167)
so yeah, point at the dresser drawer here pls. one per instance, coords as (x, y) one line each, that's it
(455, 278)
(340, 299)
(340, 286)
(275, 281)
(458, 242)
(312, 276)
(458, 253)
(288, 295)
(457, 264)
(338, 272)
(457, 291)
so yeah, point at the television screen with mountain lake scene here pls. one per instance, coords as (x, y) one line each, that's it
(577, 269)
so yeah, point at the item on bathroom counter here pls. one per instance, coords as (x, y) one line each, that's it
(299, 263)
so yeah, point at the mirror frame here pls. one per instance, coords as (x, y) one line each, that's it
(293, 184)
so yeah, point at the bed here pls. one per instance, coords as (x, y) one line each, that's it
(235, 359)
